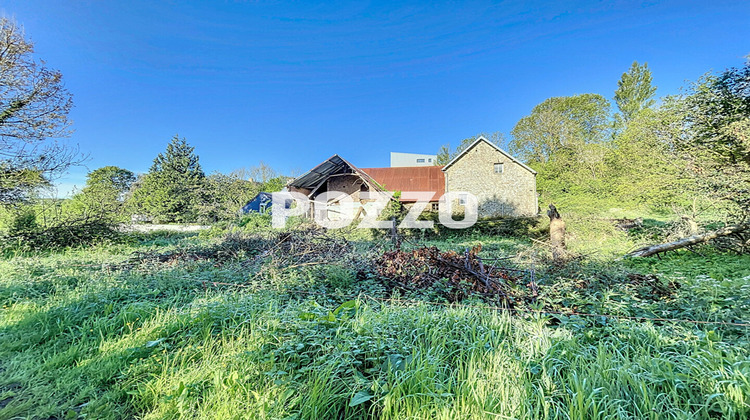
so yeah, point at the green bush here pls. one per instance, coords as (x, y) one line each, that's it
(23, 221)
(255, 221)
(67, 234)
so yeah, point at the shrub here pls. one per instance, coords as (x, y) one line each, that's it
(27, 236)
(23, 221)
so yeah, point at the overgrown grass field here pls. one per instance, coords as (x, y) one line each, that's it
(98, 333)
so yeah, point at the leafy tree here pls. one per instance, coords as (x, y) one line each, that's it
(715, 137)
(224, 196)
(103, 195)
(116, 181)
(445, 154)
(34, 108)
(172, 189)
(642, 168)
(634, 91)
(275, 184)
(566, 140)
(561, 124)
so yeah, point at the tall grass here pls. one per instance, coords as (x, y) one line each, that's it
(78, 339)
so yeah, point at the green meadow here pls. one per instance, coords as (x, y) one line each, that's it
(114, 331)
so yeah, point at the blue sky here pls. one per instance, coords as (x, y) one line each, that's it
(291, 83)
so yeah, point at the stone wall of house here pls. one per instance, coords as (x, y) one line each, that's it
(510, 193)
(351, 185)
(348, 184)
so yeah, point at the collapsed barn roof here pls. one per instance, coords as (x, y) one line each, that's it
(334, 165)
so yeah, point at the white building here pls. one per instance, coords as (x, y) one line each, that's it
(411, 159)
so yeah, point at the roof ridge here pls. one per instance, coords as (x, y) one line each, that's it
(496, 147)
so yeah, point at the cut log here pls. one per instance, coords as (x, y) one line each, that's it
(648, 251)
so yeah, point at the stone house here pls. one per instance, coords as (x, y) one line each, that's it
(503, 185)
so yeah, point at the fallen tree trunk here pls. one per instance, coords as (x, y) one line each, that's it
(648, 251)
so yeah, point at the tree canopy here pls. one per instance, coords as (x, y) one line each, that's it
(561, 124)
(34, 106)
(635, 91)
(172, 189)
(111, 178)
(694, 147)
(104, 193)
(715, 134)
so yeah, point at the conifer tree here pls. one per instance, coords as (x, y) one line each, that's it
(171, 191)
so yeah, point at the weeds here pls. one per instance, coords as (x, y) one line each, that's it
(84, 335)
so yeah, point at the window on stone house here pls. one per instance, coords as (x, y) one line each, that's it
(498, 168)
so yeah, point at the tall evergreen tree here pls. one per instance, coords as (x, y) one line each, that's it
(179, 158)
(634, 91)
(172, 189)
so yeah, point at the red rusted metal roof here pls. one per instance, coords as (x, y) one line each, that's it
(411, 178)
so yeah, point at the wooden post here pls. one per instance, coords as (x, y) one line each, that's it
(556, 233)
(394, 234)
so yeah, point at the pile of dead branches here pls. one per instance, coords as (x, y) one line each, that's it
(305, 248)
(447, 273)
(278, 250)
(231, 247)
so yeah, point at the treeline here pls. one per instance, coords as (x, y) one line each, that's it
(34, 108)
(688, 153)
(174, 190)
